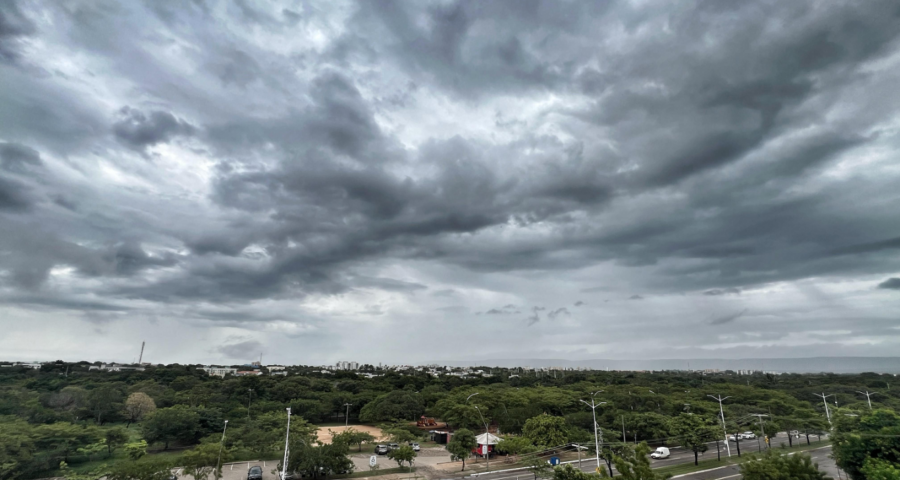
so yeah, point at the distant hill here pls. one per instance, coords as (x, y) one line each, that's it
(786, 365)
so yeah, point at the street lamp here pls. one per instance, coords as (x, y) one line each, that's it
(868, 395)
(221, 444)
(722, 412)
(823, 396)
(286, 437)
(470, 396)
(487, 439)
(594, 406)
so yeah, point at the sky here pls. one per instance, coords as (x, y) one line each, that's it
(410, 182)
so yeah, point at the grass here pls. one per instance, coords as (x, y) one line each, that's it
(683, 468)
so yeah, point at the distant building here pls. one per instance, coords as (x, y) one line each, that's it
(245, 373)
(275, 368)
(219, 371)
(114, 367)
(34, 366)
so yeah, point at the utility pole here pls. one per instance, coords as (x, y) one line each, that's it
(868, 395)
(594, 406)
(827, 413)
(287, 436)
(762, 430)
(221, 444)
(722, 413)
(347, 416)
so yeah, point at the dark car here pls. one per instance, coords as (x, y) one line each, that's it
(255, 473)
(382, 449)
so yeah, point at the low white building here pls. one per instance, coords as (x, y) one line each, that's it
(219, 371)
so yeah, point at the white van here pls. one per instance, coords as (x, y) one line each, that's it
(660, 453)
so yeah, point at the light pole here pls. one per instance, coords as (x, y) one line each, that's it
(347, 416)
(722, 413)
(470, 396)
(249, 397)
(221, 444)
(827, 414)
(762, 430)
(487, 439)
(594, 406)
(286, 437)
(868, 395)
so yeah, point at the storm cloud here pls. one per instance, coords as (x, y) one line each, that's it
(322, 174)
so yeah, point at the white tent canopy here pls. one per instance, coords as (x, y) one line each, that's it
(487, 439)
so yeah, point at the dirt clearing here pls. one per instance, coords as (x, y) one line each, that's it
(324, 435)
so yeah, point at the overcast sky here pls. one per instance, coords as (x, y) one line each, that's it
(405, 182)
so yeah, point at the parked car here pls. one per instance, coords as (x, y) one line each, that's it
(748, 436)
(393, 446)
(415, 446)
(732, 438)
(660, 453)
(382, 449)
(255, 473)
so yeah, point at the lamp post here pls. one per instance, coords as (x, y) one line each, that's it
(470, 396)
(221, 444)
(868, 395)
(823, 396)
(722, 413)
(594, 406)
(347, 416)
(287, 436)
(487, 439)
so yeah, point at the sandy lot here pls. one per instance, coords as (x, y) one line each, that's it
(324, 435)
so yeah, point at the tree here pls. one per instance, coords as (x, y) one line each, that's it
(104, 401)
(136, 450)
(546, 430)
(137, 406)
(397, 405)
(63, 438)
(876, 469)
(201, 461)
(16, 449)
(352, 437)
(634, 464)
(568, 472)
(115, 437)
(461, 445)
(315, 461)
(403, 454)
(143, 470)
(774, 465)
(693, 432)
(93, 449)
(875, 435)
(175, 423)
(539, 467)
(515, 446)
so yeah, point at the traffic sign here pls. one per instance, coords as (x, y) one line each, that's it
(373, 460)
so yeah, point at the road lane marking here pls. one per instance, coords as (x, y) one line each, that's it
(730, 476)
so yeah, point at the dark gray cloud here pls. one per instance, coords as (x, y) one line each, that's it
(139, 130)
(727, 318)
(890, 284)
(339, 162)
(246, 350)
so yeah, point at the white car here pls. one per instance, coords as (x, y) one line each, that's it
(660, 453)
(732, 438)
(748, 436)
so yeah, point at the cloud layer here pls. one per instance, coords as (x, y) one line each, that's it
(313, 178)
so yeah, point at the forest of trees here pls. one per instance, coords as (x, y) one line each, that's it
(64, 413)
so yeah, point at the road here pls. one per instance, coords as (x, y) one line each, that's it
(680, 456)
(732, 472)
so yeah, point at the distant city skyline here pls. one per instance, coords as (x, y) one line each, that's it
(404, 182)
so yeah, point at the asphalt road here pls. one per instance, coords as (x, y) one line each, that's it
(681, 456)
(732, 472)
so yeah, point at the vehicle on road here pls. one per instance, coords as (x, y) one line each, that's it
(415, 446)
(382, 449)
(748, 436)
(660, 453)
(255, 473)
(733, 438)
(794, 433)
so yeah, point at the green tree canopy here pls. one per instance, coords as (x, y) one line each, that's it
(404, 454)
(174, 423)
(774, 465)
(397, 405)
(546, 430)
(875, 435)
(693, 433)
(461, 445)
